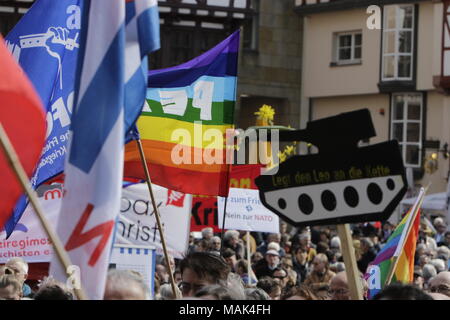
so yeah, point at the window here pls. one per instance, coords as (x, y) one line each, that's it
(347, 47)
(398, 43)
(406, 126)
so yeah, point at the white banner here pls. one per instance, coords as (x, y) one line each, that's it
(136, 224)
(246, 212)
(29, 240)
(137, 258)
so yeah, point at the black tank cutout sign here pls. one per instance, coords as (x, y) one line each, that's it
(343, 183)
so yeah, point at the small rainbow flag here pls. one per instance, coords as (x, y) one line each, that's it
(183, 127)
(400, 246)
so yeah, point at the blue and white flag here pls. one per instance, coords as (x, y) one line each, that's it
(45, 42)
(94, 166)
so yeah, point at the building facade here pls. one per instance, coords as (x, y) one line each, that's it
(270, 59)
(393, 59)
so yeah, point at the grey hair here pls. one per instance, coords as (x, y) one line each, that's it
(207, 230)
(120, 279)
(439, 264)
(166, 292)
(230, 234)
(444, 252)
(18, 260)
(256, 294)
(429, 271)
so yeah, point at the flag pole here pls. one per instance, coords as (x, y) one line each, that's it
(19, 172)
(411, 223)
(175, 291)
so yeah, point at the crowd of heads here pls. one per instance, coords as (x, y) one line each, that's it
(295, 264)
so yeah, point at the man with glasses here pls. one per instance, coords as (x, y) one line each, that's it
(200, 269)
(441, 283)
(339, 287)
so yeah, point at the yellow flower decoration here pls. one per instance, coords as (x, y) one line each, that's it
(267, 113)
(281, 156)
(289, 150)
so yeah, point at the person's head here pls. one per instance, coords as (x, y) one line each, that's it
(399, 291)
(438, 296)
(241, 267)
(19, 268)
(207, 233)
(320, 263)
(204, 245)
(230, 257)
(161, 272)
(271, 287)
(256, 294)
(273, 246)
(440, 225)
(441, 283)
(366, 244)
(322, 247)
(10, 288)
(280, 275)
(418, 279)
(428, 271)
(272, 258)
(177, 276)
(219, 292)
(53, 292)
(443, 253)
(305, 239)
(303, 292)
(257, 256)
(216, 243)
(283, 227)
(335, 244)
(301, 255)
(231, 237)
(274, 237)
(339, 289)
(165, 292)
(439, 264)
(447, 238)
(125, 285)
(200, 269)
(323, 235)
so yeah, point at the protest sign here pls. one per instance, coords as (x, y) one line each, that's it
(136, 224)
(246, 212)
(136, 258)
(204, 208)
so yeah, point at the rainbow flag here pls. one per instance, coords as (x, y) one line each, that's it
(183, 127)
(401, 244)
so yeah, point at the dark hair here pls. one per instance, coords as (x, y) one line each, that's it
(399, 291)
(322, 247)
(53, 292)
(227, 253)
(267, 284)
(243, 265)
(206, 265)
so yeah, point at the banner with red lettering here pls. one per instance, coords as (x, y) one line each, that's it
(204, 211)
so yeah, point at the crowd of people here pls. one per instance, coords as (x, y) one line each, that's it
(295, 264)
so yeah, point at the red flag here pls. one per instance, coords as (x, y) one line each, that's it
(23, 119)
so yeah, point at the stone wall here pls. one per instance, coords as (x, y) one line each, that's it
(273, 71)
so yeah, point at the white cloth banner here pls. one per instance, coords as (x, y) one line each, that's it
(137, 258)
(246, 212)
(136, 224)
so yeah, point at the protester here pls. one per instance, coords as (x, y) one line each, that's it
(256, 294)
(398, 291)
(368, 254)
(441, 229)
(441, 283)
(216, 244)
(303, 293)
(231, 240)
(241, 268)
(10, 288)
(125, 285)
(200, 269)
(271, 287)
(300, 263)
(320, 275)
(19, 267)
(230, 258)
(339, 289)
(265, 267)
(207, 233)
